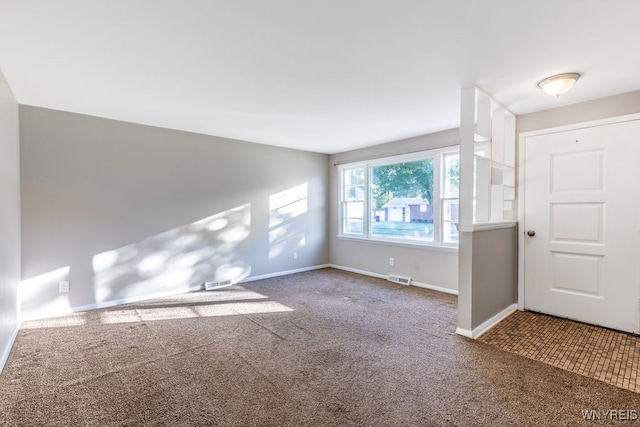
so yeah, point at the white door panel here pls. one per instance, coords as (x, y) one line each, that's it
(582, 201)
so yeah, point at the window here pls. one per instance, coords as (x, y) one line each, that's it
(353, 191)
(450, 194)
(397, 192)
(410, 198)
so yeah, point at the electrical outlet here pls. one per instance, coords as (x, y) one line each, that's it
(295, 255)
(63, 286)
(391, 261)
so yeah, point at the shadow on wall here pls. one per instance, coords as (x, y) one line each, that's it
(207, 249)
(215, 248)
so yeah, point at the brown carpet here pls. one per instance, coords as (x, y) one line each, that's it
(322, 348)
(603, 354)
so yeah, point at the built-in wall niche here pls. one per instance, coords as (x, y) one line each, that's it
(494, 162)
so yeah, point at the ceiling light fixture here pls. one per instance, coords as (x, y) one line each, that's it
(559, 84)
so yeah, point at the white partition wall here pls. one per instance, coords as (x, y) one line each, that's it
(488, 244)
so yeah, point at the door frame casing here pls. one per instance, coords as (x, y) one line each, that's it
(522, 137)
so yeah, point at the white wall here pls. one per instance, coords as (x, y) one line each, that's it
(428, 266)
(9, 219)
(126, 211)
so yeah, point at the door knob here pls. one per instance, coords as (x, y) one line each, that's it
(531, 233)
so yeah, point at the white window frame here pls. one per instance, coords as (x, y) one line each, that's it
(343, 200)
(438, 181)
(444, 199)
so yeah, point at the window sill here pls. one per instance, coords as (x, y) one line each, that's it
(417, 245)
(485, 226)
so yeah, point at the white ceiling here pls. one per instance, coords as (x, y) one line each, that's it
(323, 75)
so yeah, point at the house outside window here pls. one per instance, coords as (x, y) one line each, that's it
(404, 199)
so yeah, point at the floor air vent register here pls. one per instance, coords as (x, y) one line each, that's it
(211, 286)
(403, 280)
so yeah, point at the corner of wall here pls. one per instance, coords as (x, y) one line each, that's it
(10, 244)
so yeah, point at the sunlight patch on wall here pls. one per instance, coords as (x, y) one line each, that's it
(236, 274)
(287, 204)
(40, 297)
(283, 240)
(286, 232)
(176, 260)
(153, 264)
(33, 283)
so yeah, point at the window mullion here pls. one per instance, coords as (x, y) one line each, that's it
(437, 204)
(341, 201)
(367, 201)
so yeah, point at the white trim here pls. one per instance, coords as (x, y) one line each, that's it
(198, 287)
(485, 226)
(112, 303)
(580, 125)
(434, 288)
(383, 276)
(139, 298)
(464, 332)
(284, 273)
(355, 270)
(7, 349)
(485, 326)
(521, 207)
(406, 243)
(522, 184)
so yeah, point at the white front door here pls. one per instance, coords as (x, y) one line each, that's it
(582, 224)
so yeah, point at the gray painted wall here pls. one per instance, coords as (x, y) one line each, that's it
(494, 272)
(429, 266)
(9, 218)
(611, 106)
(127, 211)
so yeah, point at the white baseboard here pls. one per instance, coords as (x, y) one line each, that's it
(435, 288)
(355, 270)
(112, 303)
(485, 326)
(464, 332)
(107, 304)
(283, 273)
(383, 276)
(7, 349)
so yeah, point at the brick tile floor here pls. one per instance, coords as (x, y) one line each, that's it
(603, 354)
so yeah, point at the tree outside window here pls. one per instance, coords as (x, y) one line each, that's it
(412, 198)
